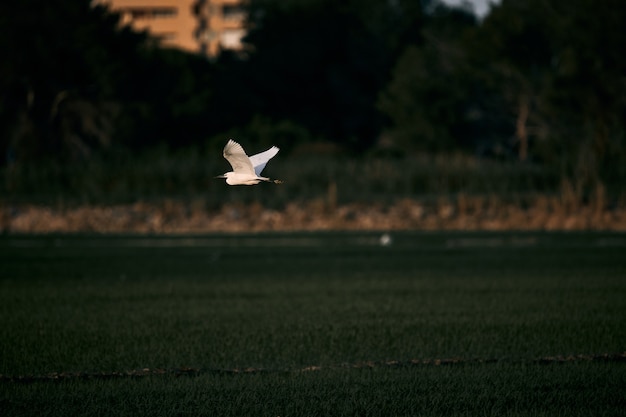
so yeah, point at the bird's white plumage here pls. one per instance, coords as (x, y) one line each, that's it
(260, 160)
(246, 170)
(236, 156)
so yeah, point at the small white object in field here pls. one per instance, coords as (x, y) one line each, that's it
(385, 239)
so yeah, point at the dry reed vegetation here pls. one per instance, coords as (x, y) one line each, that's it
(462, 212)
(174, 193)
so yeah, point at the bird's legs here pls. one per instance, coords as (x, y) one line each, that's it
(270, 180)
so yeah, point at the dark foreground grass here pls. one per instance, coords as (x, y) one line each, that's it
(578, 389)
(308, 324)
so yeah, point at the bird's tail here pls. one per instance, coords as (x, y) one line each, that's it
(277, 181)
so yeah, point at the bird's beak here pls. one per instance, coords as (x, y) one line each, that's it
(220, 176)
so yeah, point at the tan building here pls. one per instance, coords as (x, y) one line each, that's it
(199, 26)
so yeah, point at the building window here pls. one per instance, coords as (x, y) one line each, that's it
(233, 12)
(138, 13)
(164, 12)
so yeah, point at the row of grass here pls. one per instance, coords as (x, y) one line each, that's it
(188, 174)
(284, 303)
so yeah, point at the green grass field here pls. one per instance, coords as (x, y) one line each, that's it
(319, 324)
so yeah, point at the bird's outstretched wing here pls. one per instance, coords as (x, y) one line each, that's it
(236, 156)
(260, 160)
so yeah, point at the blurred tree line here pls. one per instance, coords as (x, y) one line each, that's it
(541, 81)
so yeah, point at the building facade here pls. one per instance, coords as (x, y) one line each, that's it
(199, 26)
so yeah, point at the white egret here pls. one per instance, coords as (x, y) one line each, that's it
(246, 170)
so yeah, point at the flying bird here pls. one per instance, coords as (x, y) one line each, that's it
(246, 170)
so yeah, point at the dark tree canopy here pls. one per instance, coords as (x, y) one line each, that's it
(74, 81)
(60, 73)
(322, 63)
(536, 80)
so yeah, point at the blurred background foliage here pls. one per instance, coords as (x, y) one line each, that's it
(385, 98)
